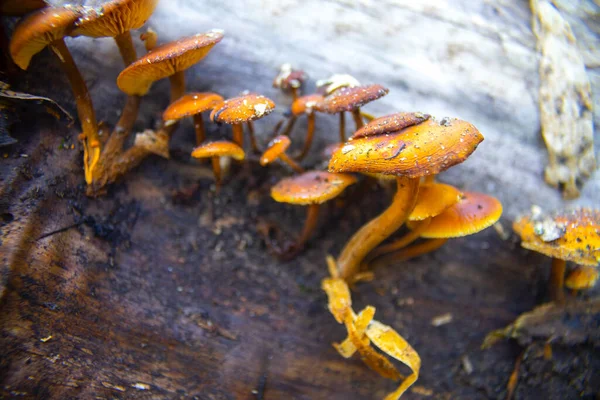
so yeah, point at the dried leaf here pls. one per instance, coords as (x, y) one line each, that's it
(340, 302)
(347, 347)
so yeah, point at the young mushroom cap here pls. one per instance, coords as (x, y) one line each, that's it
(433, 199)
(40, 29)
(307, 104)
(114, 18)
(164, 61)
(390, 123)
(289, 78)
(567, 235)
(242, 109)
(191, 104)
(473, 213)
(582, 278)
(17, 8)
(419, 150)
(351, 98)
(313, 187)
(335, 82)
(221, 148)
(275, 148)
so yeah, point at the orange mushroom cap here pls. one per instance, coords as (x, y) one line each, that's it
(351, 98)
(473, 213)
(191, 104)
(40, 29)
(17, 8)
(307, 104)
(581, 278)
(313, 187)
(433, 199)
(164, 61)
(114, 18)
(419, 150)
(390, 123)
(242, 109)
(221, 148)
(568, 235)
(334, 82)
(275, 148)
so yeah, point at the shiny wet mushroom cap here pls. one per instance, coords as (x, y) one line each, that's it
(166, 60)
(242, 109)
(313, 187)
(390, 123)
(220, 148)
(351, 98)
(114, 18)
(567, 235)
(433, 199)
(419, 150)
(473, 213)
(191, 104)
(306, 104)
(275, 148)
(582, 278)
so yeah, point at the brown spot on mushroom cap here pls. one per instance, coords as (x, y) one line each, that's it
(473, 213)
(221, 148)
(581, 278)
(166, 60)
(242, 109)
(191, 104)
(306, 104)
(39, 30)
(351, 98)
(390, 123)
(568, 235)
(275, 148)
(17, 8)
(419, 150)
(114, 17)
(433, 199)
(313, 187)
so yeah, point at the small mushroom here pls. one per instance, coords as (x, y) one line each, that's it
(564, 236)
(276, 151)
(409, 154)
(240, 110)
(311, 189)
(390, 123)
(216, 150)
(305, 105)
(192, 105)
(289, 79)
(582, 277)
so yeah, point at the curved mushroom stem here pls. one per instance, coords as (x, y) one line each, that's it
(293, 164)
(216, 164)
(252, 137)
(368, 117)
(379, 228)
(309, 136)
(126, 48)
(85, 108)
(290, 125)
(177, 81)
(411, 252)
(312, 216)
(399, 243)
(557, 280)
(342, 127)
(238, 134)
(357, 118)
(199, 128)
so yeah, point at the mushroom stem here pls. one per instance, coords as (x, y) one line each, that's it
(368, 117)
(557, 280)
(290, 125)
(312, 216)
(294, 91)
(85, 108)
(252, 137)
(216, 164)
(411, 252)
(293, 164)
(238, 134)
(401, 242)
(199, 128)
(429, 179)
(309, 136)
(126, 48)
(379, 228)
(177, 85)
(357, 118)
(342, 127)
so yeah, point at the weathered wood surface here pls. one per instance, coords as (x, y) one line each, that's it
(178, 295)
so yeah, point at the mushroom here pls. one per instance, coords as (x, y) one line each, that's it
(305, 105)
(311, 188)
(192, 105)
(582, 277)
(243, 109)
(48, 27)
(409, 154)
(276, 150)
(351, 99)
(289, 79)
(564, 236)
(216, 150)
